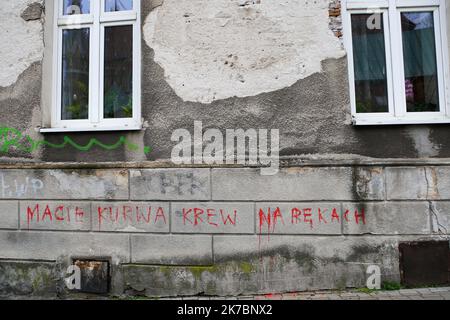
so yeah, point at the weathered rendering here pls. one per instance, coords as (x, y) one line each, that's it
(91, 102)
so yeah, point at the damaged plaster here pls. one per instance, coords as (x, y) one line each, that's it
(421, 137)
(32, 12)
(200, 45)
(22, 41)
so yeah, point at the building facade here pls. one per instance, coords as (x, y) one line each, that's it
(220, 147)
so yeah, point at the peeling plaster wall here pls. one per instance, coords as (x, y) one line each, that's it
(213, 50)
(21, 53)
(298, 84)
(22, 41)
(424, 146)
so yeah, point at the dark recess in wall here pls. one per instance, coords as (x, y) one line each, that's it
(424, 263)
(95, 276)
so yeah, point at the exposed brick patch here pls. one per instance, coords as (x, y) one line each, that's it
(334, 13)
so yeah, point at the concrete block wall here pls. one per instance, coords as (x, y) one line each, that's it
(218, 231)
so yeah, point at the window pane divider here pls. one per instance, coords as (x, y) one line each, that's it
(383, 4)
(76, 20)
(395, 33)
(112, 17)
(416, 3)
(96, 58)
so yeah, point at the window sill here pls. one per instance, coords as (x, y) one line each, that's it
(99, 129)
(398, 121)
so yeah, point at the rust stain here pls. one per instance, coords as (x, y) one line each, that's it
(89, 265)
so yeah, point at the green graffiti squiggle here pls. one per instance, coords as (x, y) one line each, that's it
(13, 138)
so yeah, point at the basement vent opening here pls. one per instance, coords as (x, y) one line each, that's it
(424, 263)
(95, 276)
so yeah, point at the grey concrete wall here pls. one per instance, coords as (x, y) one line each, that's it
(310, 106)
(230, 231)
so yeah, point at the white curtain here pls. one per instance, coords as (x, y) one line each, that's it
(76, 7)
(118, 5)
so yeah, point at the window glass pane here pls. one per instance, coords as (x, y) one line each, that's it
(76, 7)
(419, 54)
(75, 74)
(118, 5)
(369, 58)
(118, 93)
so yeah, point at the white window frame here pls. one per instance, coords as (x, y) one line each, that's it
(97, 20)
(394, 60)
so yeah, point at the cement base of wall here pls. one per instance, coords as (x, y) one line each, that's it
(169, 232)
(289, 264)
(285, 264)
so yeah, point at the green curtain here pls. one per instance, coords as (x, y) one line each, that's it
(419, 55)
